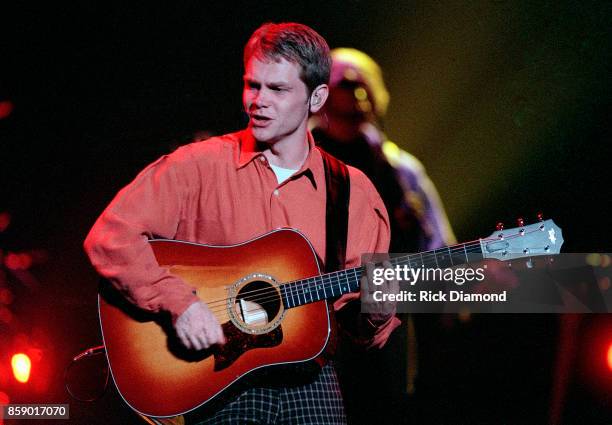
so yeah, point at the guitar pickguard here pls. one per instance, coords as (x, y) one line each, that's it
(239, 343)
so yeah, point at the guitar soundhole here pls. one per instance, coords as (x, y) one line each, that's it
(256, 305)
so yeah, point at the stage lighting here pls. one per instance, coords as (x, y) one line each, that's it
(22, 366)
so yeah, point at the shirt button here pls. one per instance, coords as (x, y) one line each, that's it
(262, 158)
(275, 192)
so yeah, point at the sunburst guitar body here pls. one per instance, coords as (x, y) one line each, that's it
(243, 286)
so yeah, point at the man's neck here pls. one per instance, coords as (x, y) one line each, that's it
(289, 152)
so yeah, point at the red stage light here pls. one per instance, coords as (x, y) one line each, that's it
(4, 400)
(6, 107)
(18, 261)
(12, 261)
(21, 365)
(610, 357)
(6, 317)
(6, 296)
(5, 220)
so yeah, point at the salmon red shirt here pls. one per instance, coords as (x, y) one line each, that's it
(222, 191)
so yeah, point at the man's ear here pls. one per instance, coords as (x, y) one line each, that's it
(318, 98)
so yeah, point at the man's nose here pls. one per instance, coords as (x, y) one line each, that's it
(261, 99)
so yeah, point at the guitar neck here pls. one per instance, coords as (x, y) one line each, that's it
(332, 285)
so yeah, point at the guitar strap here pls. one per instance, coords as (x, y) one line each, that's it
(337, 206)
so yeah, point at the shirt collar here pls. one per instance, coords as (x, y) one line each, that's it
(247, 148)
(312, 166)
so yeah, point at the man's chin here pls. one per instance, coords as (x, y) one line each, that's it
(261, 135)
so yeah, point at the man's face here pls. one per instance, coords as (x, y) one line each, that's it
(276, 99)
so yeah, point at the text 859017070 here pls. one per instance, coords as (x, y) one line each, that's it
(35, 411)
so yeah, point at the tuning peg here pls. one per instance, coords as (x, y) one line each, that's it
(540, 216)
(499, 226)
(520, 222)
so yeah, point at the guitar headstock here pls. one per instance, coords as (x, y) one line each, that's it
(542, 238)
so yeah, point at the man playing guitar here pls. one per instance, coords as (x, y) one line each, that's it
(234, 188)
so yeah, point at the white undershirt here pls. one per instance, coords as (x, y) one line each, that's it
(282, 174)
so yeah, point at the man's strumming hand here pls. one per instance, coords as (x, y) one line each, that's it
(198, 328)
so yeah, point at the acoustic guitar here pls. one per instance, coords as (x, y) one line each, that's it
(270, 297)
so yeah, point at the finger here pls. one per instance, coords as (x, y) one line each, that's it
(208, 338)
(395, 286)
(387, 265)
(220, 336)
(213, 331)
(195, 342)
(203, 339)
(369, 270)
(363, 284)
(391, 287)
(389, 283)
(184, 340)
(367, 279)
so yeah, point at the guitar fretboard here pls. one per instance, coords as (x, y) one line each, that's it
(332, 285)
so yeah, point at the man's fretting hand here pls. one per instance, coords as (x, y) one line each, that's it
(379, 312)
(198, 328)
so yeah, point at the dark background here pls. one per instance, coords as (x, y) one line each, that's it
(507, 104)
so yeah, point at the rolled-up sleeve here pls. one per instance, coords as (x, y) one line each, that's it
(118, 248)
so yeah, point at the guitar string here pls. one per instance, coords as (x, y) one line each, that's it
(301, 287)
(288, 286)
(394, 261)
(456, 248)
(302, 294)
(273, 299)
(272, 296)
(304, 287)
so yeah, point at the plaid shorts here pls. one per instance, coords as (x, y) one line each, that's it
(316, 403)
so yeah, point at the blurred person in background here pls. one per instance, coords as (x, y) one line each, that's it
(349, 127)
